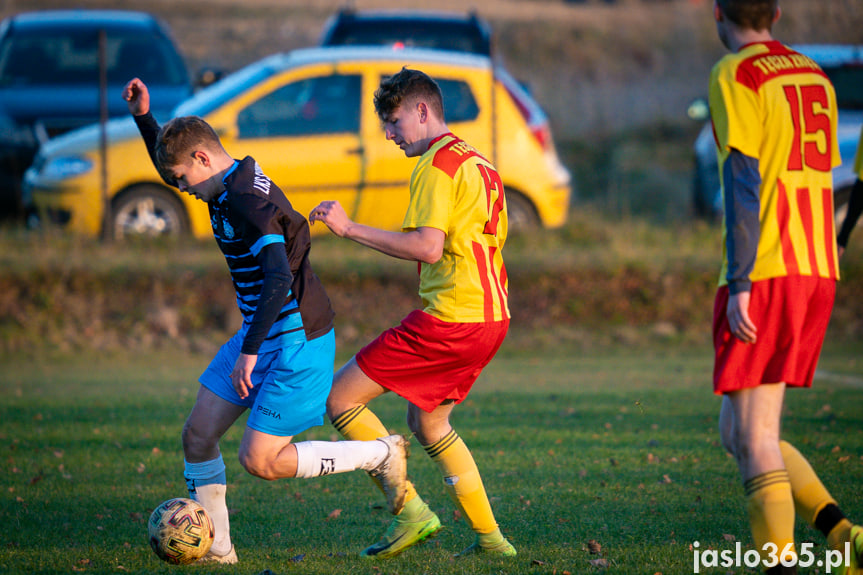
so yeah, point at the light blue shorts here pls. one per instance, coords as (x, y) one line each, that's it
(291, 384)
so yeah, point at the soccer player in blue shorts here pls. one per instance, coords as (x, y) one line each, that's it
(279, 364)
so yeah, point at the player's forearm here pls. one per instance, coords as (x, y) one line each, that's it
(149, 129)
(274, 293)
(855, 207)
(742, 185)
(414, 245)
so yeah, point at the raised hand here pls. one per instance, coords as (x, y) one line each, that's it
(137, 97)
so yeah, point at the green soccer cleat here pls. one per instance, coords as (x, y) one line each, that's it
(402, 534)
(504, 549)
(855, 562)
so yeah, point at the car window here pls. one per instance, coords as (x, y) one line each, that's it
(69, 57)
(320, 105)
(155, 62)
(436, 34)
(459, 103)
(214, 96)
(848, 81)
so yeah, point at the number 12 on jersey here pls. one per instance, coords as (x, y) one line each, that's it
(493, 185)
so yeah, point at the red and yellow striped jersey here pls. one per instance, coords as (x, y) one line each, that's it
(777, 106)
(456, 190)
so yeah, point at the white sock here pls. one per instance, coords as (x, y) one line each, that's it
(207, 485)
(317, 458)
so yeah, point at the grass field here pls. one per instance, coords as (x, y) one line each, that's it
(585, 430)
(591, 425)
(617, 447)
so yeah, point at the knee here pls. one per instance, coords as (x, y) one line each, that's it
(427, 432)
(257, 466)
(419, 428)
(751, 446)
(734, 443)
(196, 442)
(337, 407)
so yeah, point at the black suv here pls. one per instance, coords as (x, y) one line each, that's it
(409, 28)
(50, 79)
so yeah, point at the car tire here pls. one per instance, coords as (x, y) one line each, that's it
(521, 214)
(147, 211)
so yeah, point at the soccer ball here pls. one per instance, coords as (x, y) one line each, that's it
(181, 531)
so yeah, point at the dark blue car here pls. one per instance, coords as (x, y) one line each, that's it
(50, 78)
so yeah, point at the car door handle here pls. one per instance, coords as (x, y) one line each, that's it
(358, 151)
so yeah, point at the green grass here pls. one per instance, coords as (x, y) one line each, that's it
(618, 446)
(590, 429)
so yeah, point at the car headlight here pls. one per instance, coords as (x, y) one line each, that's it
(64, 167)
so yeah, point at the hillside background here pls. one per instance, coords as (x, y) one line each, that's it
(614, 76)
(596, 66)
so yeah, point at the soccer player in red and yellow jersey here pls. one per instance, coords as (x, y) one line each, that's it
(855, 202)
(774, 118)
(455, 227)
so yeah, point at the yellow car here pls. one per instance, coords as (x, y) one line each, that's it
(308, 118)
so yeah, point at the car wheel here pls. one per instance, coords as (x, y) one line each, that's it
(147, 211)
(520, 213)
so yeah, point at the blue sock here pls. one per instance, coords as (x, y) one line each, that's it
(207, 484)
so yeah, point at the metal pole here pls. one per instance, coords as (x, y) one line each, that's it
(107, 232)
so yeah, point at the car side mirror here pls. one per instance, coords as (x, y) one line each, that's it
(698, 110)
(207, 76)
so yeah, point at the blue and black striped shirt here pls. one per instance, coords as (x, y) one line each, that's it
(266, 244)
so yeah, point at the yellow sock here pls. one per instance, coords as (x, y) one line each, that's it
(812, 500)
(360, 424)
(463, 482)
(771, 512)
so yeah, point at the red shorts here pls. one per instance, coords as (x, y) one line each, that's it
(427, 360)
(791, 315)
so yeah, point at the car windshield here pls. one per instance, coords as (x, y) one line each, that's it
(216, 95)
(848, 81)
(69, 57)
